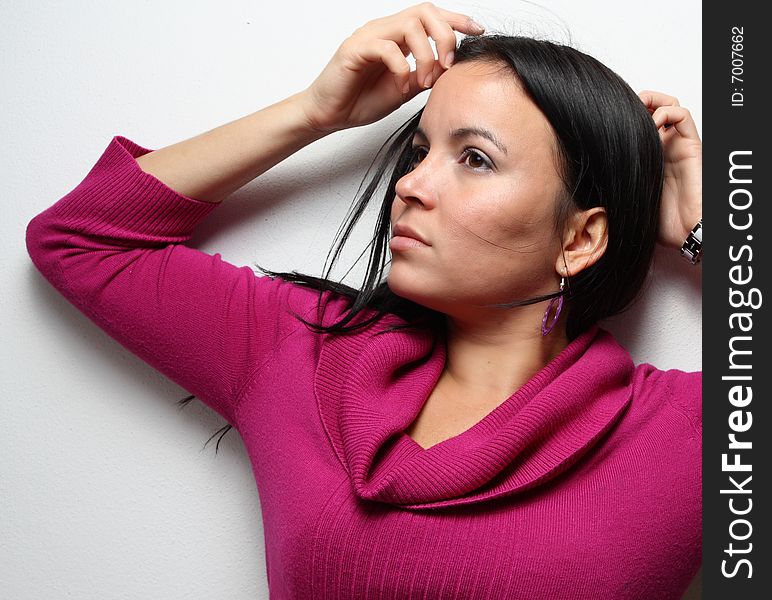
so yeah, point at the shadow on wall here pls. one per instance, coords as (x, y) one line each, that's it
(666, 304)
(695, 589)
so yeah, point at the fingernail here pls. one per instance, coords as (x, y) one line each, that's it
(428, 80)
(477, 26)
(406, 87)
(449, 59)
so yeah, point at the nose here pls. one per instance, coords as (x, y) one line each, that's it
(416, 185)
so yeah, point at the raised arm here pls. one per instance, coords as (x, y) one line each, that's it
(115, 245)
(367, 78)
(681, 206)
(216, 163)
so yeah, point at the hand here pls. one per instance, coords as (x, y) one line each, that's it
(681, 204)
(369, 76)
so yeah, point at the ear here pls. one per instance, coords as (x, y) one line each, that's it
(584, 241)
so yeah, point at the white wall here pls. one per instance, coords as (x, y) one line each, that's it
(104, 488)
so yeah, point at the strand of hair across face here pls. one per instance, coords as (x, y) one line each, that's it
(529, 301)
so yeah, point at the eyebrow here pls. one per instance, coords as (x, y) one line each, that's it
(465, 132)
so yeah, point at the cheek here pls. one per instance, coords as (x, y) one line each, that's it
(498, 224)
(393, 213)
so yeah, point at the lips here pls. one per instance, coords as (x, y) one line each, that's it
(406, 231)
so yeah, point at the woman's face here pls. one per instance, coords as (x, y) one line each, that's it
(485, 208)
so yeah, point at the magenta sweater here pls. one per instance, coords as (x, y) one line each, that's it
(584, 484)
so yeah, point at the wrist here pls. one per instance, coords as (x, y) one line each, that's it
(313, 122)
(691, 249)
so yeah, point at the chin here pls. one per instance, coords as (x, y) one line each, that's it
(402, 287)
(413, 291)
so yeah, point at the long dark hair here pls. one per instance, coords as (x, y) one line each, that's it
(609, 155)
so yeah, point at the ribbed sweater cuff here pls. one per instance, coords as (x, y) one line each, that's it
(117, 199)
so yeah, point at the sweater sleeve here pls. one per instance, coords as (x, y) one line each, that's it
(685, 389)
(114, 248)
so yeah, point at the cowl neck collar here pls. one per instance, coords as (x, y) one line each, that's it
(370, 387)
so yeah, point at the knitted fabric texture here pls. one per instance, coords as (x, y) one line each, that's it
(584, 484)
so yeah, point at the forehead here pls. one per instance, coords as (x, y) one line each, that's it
(477, 94)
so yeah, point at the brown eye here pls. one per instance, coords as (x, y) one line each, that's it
(476, 160)
(415, 157)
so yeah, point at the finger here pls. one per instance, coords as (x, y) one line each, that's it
(444, 39)
(460, 22)
(392, 27)
(438, 71)
(653, 100)
(416, 88)
(418, 41)
(678, 117)
(657, 99)
(388, 53)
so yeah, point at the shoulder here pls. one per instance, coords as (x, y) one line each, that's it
(323, 308)
(676, 393)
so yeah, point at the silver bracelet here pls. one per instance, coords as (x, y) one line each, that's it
(692, 247)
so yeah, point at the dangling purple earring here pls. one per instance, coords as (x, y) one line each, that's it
(545, 329)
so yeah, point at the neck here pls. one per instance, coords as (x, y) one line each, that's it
(494, 357)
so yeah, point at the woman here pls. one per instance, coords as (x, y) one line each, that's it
(463, 429)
